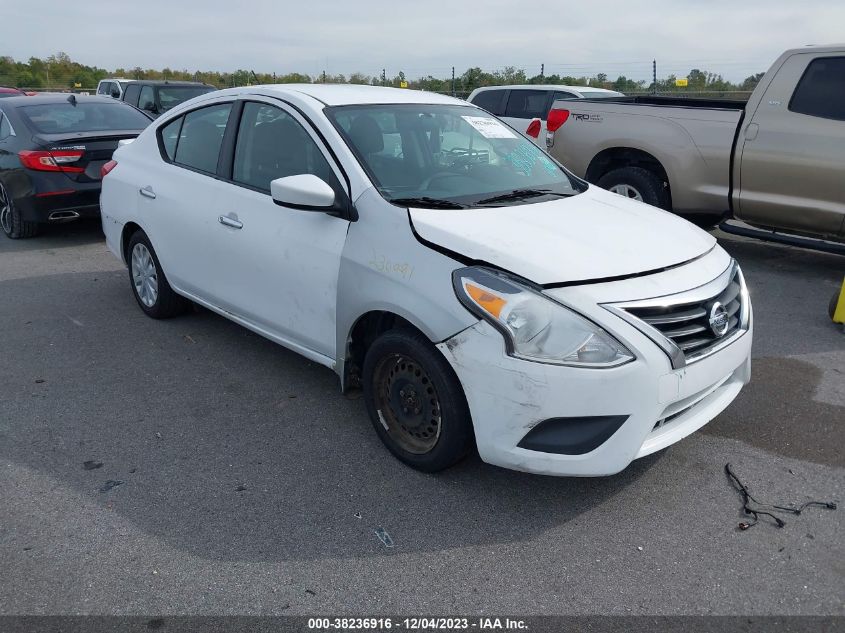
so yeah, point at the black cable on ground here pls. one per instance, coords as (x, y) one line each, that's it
(757, 512)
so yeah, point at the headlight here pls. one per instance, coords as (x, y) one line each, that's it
(535, 327)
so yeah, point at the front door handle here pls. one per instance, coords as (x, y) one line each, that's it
(232, 222)
(148, 192)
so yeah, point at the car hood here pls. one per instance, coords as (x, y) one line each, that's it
(592, 236)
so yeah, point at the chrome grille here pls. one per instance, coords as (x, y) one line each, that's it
(685, 325)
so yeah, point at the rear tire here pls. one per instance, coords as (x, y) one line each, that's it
(415, 401)
(638, 184)
(149, 283)
(11, 222)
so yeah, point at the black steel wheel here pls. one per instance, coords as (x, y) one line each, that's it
(416, 402)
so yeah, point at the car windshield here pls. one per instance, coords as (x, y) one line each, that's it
(449, 156)
(63, 116)
(172, 96)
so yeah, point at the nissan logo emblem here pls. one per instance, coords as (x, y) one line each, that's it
(719, 320)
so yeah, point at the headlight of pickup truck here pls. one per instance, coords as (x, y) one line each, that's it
(535, 327)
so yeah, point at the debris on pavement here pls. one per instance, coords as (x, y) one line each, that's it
(111, 483)
(91, 464)
(384, 537)
(770, 508)
(240, 488)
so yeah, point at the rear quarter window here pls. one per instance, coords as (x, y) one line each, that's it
(169, 137)
(5, 128)
(821, 90)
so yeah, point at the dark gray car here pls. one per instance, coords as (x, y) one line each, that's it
(157, 97)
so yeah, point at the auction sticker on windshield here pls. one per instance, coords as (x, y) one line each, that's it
(489, 127)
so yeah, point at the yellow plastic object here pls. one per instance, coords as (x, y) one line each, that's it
(839, 309)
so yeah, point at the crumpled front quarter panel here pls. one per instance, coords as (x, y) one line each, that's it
(384, 267)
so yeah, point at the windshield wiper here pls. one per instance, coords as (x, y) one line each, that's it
(431, 203)
(517, 194)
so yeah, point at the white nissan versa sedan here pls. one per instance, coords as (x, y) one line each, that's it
(473, 288)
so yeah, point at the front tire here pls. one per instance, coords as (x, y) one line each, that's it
(415, 401)
(637, 183)
(149, 283)
(11, 222)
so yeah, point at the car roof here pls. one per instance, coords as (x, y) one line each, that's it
(4, 89)
(817, 48)
(351, 94)
(545, 87)
(165, 82)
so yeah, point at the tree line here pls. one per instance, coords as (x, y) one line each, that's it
(60, 72)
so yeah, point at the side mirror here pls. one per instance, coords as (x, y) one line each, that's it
(304, 191)
(149, 106)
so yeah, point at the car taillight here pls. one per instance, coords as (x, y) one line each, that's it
(55, 160)
(556, 119)
(534, 128)
(105, 169)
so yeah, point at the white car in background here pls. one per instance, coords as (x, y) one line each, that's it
(112, 87)
(426, 252)
(526, 106)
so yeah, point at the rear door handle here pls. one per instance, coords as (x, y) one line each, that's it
(148, 192)
(227, 221)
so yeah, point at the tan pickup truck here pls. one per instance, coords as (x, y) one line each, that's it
(776, 162)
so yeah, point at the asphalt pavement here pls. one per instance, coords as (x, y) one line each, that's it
(191, 467)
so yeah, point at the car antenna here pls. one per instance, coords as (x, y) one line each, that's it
(72, 100)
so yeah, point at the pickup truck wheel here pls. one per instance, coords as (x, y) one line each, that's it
(415, 401)
(149, 284)
(636, 183)
(10, 219)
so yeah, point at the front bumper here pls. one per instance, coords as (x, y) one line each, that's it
(508, 397)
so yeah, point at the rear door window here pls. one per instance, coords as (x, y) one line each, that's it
(105, 88)
(201, 136)
(821, 91)
(491, 100)
(528, 104)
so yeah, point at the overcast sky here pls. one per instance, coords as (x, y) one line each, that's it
(424, 36)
